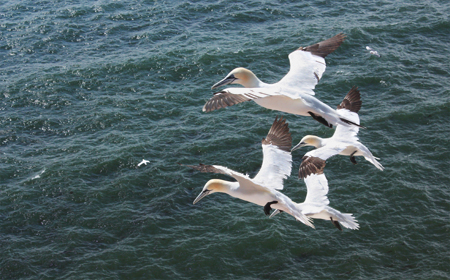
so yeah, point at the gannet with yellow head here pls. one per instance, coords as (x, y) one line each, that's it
(292, 94)
(343, 142)
(264, 188)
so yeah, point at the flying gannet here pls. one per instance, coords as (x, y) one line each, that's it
(292, 94)
(263, 188)
(316, 203)
(343, 142)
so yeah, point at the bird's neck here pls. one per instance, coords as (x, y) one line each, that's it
(321, 142)
(224, 186)
(316, 141)
(253, 82)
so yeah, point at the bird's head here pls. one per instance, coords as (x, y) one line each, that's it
(240, 76)
(212, 186)
(308, 140)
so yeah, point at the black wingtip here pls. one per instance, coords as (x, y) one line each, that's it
(223, 99)
(311, 165)
(352, 101)
(326, 47)
(279, 135)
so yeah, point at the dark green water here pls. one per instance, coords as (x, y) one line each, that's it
(90, 88)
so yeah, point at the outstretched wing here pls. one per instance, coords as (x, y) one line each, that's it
(277, 158)
(347, 133)
(307, 64)
(232, 96)
(349, 109)
(317, 186)
(218, 169)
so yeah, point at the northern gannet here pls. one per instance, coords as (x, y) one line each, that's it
(343, 142)
(263, 188)
(316, 203)
(293, 93)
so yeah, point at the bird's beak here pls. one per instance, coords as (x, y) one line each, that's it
(226, 81)
(201, 195)
(299, 145)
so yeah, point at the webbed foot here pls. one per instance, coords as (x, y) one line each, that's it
(336, 224)
(352, 158)
(267, 207)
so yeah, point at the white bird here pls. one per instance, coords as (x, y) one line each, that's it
(372, 51)
(292, 94)
(316, 203)
(263, 188)
(143, 162)
(343, 142)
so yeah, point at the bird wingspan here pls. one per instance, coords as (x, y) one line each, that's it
(232, 96)
(317, 187)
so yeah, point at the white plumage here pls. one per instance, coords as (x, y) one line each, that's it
(316, 203)
(292, 94)
(263, 188)
(343, 142)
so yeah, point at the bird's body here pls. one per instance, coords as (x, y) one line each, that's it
(303, 106)
(264, 188)
(245, 189)
(292, 94)
(343, 142)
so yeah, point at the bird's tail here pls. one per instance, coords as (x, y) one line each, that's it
(306, 220)
(374, 161)
(370, 158)
(299, 216)
(345, 219)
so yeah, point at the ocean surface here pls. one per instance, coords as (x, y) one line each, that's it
(88, 89)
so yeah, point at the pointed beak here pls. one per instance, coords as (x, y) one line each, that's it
(201, 195)
(228, 80)
(299, 145)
